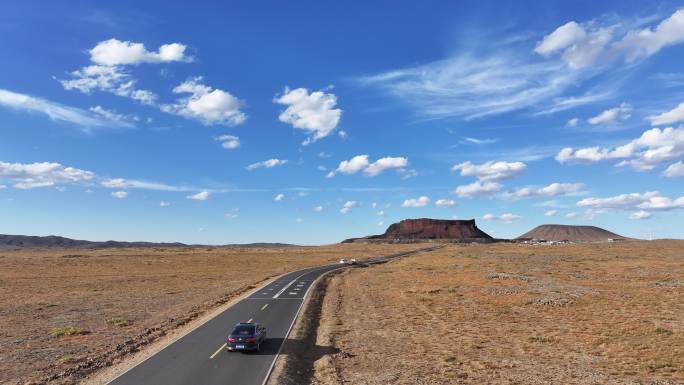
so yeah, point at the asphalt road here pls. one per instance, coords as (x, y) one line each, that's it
(200, 356)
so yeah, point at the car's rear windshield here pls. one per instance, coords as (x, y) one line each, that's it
(243, 330)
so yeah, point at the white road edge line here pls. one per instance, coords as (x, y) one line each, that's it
(294, 319)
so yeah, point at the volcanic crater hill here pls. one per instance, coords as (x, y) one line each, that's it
(571, 233)
(429, 229)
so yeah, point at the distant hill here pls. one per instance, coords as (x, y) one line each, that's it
(571, 233)
(53, 241)
(426, 229)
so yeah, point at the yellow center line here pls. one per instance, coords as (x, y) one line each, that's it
(217, 351)
(264, 307)
(250, 320)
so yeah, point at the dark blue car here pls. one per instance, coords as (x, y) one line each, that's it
(246, 337)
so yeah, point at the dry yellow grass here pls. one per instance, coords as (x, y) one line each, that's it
(510, 314)
(61, 308)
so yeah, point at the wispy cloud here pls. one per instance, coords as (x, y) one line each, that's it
(470, 86)
(266, 164)
(551, 77)
(59, 112)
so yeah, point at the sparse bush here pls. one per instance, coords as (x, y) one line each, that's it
(541, 339)
(552, 300)
(660, 330)
(68, 359)
(118, 321)
(68, 331)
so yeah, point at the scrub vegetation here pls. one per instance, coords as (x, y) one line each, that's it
(509, 314)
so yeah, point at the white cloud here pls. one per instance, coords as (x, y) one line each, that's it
(381, 213)
(44, 174)
(113, 116)
(443, 203)
(229, 142)
(266, 164)
(644, 153)
(648, 201)
(571, 215)
(572, 122)
(349, 206)
(353, 165)
(232, 214)
(469, 140)
(119, 194)
(56, 111)
(279, 197)
(640, 215)
(164, 204)
(674, 115)
(478, 189)
(200, 196)
(491, 170)
(114, 52)
(115, 80)
(361, 163)
(563, 37)
(505, 218)
(419, 202)
(314, 112)
(613, 115)
(407, 174)
(386, 163)
(554, 189)
(121, 183)
(583, 45)
(674, 170)
(206, 104)
(646, 42)
(381, 223)
(551, 213)
(318, 209)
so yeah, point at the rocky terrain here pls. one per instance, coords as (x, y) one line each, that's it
(430, 229)
(506, 313)
(571, 233)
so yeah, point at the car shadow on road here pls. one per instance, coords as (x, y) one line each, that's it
(314, 352)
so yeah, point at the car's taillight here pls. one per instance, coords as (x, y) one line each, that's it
(232, 339)
(251, 339)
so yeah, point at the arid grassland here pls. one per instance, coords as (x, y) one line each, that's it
(66, 313)
(509, 314)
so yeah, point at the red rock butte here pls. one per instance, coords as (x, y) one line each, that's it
(425, 228)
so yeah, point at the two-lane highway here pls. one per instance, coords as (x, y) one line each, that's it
(200, 356)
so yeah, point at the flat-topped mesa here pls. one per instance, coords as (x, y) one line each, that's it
(425, 228)
(430, 229)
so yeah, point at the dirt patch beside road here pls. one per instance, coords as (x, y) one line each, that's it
(509, 314)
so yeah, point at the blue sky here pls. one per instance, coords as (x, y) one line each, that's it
(313, 122)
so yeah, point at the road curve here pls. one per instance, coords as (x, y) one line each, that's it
(200, 356)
